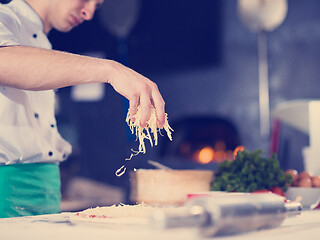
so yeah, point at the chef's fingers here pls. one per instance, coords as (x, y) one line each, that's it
(159, 104)
(145, 108)
(133, 107)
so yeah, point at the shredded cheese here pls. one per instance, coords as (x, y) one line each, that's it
(123, 214)
(117, 211)
(144, 133)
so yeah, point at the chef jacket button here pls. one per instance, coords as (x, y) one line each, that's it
(36, 115)
(50, 153)
(34, 35)
(52, 125)
(64, 155)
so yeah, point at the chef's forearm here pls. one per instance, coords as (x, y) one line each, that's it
(32, 68)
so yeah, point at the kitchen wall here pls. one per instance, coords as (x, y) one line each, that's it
(231, 90)
(228, 89)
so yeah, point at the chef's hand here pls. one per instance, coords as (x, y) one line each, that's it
(139, 90)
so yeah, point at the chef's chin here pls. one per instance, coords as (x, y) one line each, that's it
(65, 28)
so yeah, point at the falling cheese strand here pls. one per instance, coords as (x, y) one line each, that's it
(144, 133)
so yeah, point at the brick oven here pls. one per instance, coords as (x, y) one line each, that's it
(200, 140)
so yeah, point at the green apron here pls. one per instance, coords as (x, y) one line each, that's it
(29, 189)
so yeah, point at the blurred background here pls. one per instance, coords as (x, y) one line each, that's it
(205, 62)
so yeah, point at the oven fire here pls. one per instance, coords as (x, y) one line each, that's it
(209, 154)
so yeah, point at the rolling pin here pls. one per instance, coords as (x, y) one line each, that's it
(229, 214)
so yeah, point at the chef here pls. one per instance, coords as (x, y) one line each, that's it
(30, 144)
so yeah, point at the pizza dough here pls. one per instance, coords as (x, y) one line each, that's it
(120, 214)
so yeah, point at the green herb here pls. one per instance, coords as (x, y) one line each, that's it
(250, 172)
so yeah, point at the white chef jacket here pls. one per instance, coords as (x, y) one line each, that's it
(28, 130)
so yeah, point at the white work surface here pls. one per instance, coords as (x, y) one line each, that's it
(59, 227)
